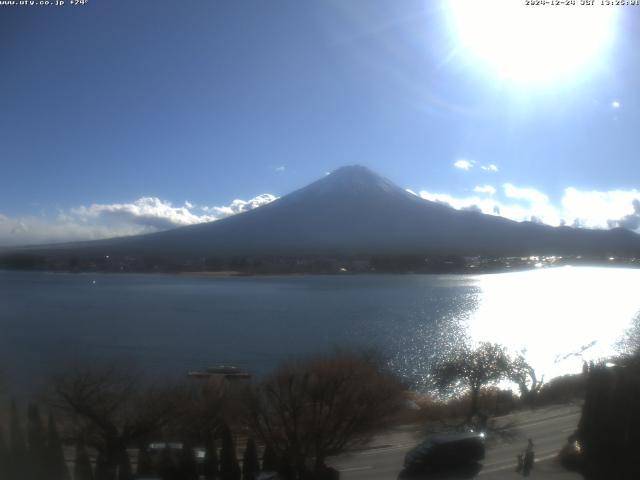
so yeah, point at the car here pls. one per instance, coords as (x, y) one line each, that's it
(268, 476)
(444, 451)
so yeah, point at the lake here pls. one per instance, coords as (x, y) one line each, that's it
(171, 324)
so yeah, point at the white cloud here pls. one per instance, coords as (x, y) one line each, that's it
(459, 203)
(145, 215)
(467, 165)
(528, 194)
(37, 230)
(615, 104)
(280, 168)
(146, 211)
(488, 189)
(597, 209)
(588, 209)
(239, 206)
(463, 164)
(490, 206)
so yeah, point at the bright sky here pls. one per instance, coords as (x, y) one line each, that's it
(124, 116)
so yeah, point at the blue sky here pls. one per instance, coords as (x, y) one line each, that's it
(121, 117)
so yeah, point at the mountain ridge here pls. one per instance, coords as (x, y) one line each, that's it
(355, 211)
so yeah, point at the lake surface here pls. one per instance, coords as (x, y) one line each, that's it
(171, 324)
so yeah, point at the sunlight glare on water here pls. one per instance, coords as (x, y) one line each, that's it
(560, 316)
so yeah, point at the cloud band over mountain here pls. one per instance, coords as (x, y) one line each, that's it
(97, 221)
(580, 208)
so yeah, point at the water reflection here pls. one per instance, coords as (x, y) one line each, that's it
(437, 325)
(174, 324)
(560, 316)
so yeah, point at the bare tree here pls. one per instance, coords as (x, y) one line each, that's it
(524, 375)
(204, 407)
(629, 344)
(109, 409)
(471, 369)
(310, 409)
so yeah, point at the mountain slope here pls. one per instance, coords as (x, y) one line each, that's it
(355, 211)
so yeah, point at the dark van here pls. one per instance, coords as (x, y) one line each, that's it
(440, 452)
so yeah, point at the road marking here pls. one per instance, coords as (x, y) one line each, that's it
(511, 465)
(355, 469)
(520, 425)
(546, 455)
(383, 450)
(541, 414)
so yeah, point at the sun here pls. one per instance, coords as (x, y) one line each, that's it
(531, 44)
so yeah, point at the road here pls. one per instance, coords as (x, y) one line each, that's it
(548, 427)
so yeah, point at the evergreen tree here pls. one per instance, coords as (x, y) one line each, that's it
(102, 469)
(250, 464)
(4, 455)
(187, 465)
(125, 472)
(145, 466)
(18, 460)
(229, 468)
(167, 469)
(37, 444)
(285, 471)
(210, 465)
(269, 460)
(82, 465)
(56, 464)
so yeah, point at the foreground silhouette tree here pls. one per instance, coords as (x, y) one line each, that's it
(229, 468)
(609, 428)
(320, 406)
(56, 464)
(18, 464)
(210, 465)
(82, 464)
(250, 463)
(471, 369)
(36, 437)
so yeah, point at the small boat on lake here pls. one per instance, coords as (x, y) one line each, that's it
(227, 371)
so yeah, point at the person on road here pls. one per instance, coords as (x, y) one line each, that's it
(529, 458)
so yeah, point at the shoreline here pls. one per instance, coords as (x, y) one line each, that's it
(236, 273)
